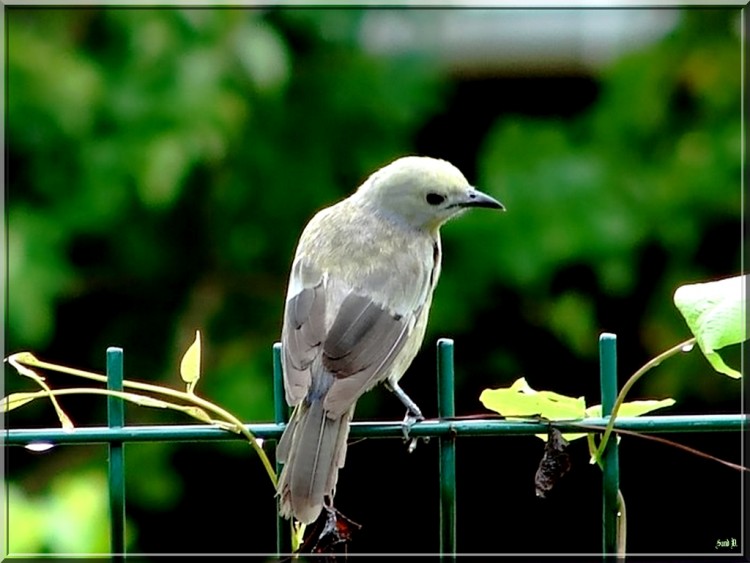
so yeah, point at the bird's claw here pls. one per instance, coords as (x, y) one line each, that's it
(413, 414)
(410, 420)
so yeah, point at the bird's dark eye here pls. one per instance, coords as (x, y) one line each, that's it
(434, 199)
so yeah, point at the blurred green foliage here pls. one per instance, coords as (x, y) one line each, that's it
(71, 517)
(654, 164)
(162, 164)
(179, 152)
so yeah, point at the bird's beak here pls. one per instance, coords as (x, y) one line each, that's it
(475, 198)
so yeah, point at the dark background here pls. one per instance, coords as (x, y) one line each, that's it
(162, 163)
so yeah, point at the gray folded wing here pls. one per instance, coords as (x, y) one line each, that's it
(346, 359)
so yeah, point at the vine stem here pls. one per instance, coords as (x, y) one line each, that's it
(622, 527)
(632, 381)
(31, 360)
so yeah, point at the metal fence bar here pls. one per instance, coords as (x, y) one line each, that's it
(447, 447)
(427, 428)
(610, 457)
(116, 462)
(280, 416)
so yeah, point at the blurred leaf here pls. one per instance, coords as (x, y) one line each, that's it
(263, 53)
(37, 273)
(572, 318)
(70, 517)
(715, 312)
(166, 165)
(26, 523)
(77, 513)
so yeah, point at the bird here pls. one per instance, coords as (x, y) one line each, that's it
(356, 309)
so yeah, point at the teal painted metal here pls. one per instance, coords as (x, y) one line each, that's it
(281, 416)
(447, 447)
(610, 457)
(447, 428)
(431, 428)
(116, 466)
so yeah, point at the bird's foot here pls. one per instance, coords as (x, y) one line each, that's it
(413, 413)
(411, 418)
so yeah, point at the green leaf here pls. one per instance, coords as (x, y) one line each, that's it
(521, 400)
(632, 408)
(15, 400)
(715, 313)
(22, 358)
(190, 367)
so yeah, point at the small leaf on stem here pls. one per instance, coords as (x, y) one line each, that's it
(190, 367)
(23, 358)
(15, 400)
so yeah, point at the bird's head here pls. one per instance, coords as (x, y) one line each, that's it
(422, 192)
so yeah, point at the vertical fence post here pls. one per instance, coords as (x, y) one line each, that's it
(280, 416)
(447, 449)
(610, 457)
(116, 466)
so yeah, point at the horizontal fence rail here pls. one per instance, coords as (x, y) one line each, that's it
(480, 427)
(447, 428)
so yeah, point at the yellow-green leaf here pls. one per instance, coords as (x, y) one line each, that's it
(146, 401)
(190, 367)
(24, 358)
(15, 400)
(521, 400)
(197, 413)
(719, 365)
(632, 408)
(16, 359)
(715, 313)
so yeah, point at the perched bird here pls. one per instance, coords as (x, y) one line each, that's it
(356, 309)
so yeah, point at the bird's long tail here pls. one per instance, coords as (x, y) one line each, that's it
(312, 449)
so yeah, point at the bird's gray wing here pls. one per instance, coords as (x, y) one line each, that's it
(340, 340)
(361, 346)
(302, 336)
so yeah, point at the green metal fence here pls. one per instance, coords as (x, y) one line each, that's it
(446, 429)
